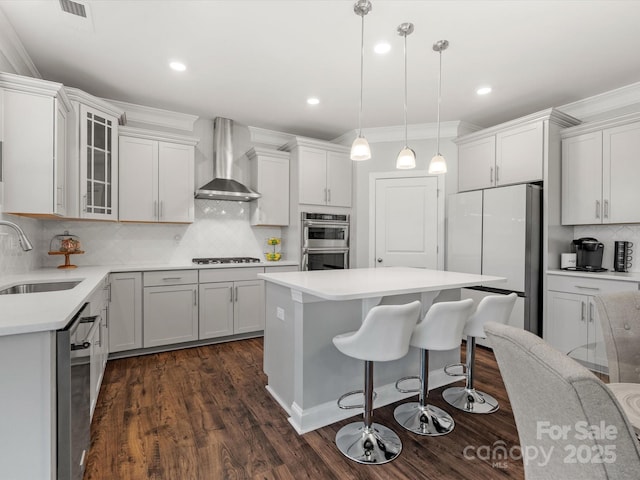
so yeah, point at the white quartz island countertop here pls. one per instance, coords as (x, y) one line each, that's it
(357, 283)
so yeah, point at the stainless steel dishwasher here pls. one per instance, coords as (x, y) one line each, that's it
(73, 383)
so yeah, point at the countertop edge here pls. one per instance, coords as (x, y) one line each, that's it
(616, 276)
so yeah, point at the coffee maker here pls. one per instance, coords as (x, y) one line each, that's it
(589, 254)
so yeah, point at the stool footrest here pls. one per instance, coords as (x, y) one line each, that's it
(348, 394)
(404, 379)
(453, 365)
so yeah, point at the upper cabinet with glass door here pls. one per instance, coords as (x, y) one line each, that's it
(94, 172)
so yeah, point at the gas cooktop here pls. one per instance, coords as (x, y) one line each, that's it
(217, 260)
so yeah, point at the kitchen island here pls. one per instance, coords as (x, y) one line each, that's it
(305, 310)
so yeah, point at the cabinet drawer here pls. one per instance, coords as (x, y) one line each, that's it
(170, 277)
(588, 286)
(230, 274)
(284, 268)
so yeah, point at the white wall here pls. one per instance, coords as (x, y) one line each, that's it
(383, 159)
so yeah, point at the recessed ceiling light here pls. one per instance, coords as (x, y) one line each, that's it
(382, 48)
(483, 90)
(313, 101)
(178, 66)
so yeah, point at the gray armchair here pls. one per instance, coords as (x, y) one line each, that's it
(554, 401)
(619, 315)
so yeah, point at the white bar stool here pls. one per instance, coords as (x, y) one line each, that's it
(441, 329)
(495, 308)
(383, 336)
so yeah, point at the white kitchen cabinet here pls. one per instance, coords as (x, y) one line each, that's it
(572, 325)
(231, 302)
(99, 349)
(270, 177)
(600, 171)
(170, 306)
(125, 311)
(507, 154)
(35, 117)
(156, 177)
(476, 164)
(324, 172)
(93, 161)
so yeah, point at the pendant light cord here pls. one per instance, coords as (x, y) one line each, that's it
(361, 76)
(439, 100)
(405, 89)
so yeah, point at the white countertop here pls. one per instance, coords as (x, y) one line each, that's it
(38, 312)
(608, 275)
(359, 283)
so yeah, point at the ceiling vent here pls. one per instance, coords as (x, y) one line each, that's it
(74, 8)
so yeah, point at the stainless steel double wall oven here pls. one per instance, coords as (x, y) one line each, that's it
(325, 241)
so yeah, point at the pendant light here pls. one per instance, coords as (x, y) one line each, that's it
(360, 149)
(438, 164)
(407, 157)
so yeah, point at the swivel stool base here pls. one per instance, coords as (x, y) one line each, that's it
(424, 420)
(374, 445)
(470, 400)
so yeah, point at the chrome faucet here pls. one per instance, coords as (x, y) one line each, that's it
(22, 238)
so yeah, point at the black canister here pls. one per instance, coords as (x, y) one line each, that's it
(622, 256)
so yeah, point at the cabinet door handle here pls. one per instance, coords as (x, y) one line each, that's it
(587, 288)
(109, 293)
(155, 209)
(328, 195)
(106, 316)
(491, 175)
(597, 208)
(231, 294)
(606, 209)
(497, 173)
(167, 279)
(195, 297)
(591, 312)
(84, 203)
(582, 316)
(236, 295)
(325, 195)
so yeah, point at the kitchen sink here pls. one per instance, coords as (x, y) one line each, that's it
(38, 287)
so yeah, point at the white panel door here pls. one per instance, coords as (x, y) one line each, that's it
(504, 235)
(519, 154)
(138, 179)
(175, 182)
(582, 179)
(125, 311)
(464, 232)
(406, 222)
(566, 327)
(621, 171)
(170, 315)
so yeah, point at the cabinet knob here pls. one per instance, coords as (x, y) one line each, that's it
(379, 260)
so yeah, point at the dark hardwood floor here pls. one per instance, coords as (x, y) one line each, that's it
(203, 413)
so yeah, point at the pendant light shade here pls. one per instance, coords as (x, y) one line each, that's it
(407, 157)
(438, 163)
(360, 149)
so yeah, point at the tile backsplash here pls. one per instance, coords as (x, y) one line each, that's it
(608, 234)
(221, 229)
(12, 258)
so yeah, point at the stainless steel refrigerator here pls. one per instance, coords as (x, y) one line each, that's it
(497, 231)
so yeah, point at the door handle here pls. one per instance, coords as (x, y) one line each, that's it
(497, 173)
(328, 195)
(597, 208)
(582, 317)
(590, 312)
(195, 297)
(491, 175)
(379, 260)
(236, 295)
(606, 209)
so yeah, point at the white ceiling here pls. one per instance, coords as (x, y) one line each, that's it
(256, 61)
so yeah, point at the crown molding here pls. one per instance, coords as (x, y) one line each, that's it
(296, 142)
(156, 116)
(13, 51)
(272, 138)
(419, 131)
(155, 135)
(589, 127)
(80, 96)
(21, 83)
(604, 102)
(254, 152)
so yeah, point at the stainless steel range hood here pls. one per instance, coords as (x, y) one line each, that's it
(223, 186)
